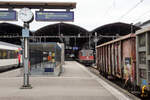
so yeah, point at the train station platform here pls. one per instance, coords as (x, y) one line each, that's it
(75, 83)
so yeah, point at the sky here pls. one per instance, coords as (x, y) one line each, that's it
(90, 14)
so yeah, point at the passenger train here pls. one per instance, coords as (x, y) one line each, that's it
(127, 58)
(10, 56)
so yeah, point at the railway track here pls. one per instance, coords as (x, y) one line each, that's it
(117, 84)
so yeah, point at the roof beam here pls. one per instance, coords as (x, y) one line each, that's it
(38, 5)
(8, 36)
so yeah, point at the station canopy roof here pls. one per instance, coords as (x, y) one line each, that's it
(114, 29)
(66, 30)
(61, 28)
(7, 29)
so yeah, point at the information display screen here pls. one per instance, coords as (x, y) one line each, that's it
(54, 16)
(8, 15)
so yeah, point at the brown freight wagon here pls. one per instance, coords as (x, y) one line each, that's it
(118, 58)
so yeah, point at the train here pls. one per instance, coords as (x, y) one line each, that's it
(86, 56)
(10, 56)
(127, 58)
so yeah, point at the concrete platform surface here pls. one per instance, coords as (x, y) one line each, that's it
(75, 83)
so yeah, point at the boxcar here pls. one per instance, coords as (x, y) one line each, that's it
(118, 58)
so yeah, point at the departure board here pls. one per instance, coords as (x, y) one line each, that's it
(8, 15)
(54, 16)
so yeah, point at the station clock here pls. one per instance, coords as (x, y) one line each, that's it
(26, 15)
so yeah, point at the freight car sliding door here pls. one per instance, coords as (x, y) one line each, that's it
(109, 70)
(126, 59)
(115, 54)
(104, 55)
(110, 60)
(106, 59)
(101, 58)
(103, 64)
(133, 55)
(113, 59)
(118, 59)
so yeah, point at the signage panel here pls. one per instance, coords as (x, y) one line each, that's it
(75, 48)
(8, 15)
(54, 16)
(25, 33)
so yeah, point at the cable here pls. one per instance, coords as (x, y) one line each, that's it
(110, 8)
(145, 13)
(130, 9)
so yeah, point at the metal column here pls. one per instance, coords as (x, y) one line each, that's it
(26, 84)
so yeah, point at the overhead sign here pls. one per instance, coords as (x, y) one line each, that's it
(75, 48)
(54, 16)
(8, 15)
(25, 33)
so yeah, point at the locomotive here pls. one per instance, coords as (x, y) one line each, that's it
(127, 58)
(86, 56)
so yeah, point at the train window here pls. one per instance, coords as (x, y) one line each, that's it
(4, 54)
(142, 58)
(142, 73)
(11, 54)
(8, 54)
(14, 54)
(142, 41)
(90, 54)
(2, 57)
(84, 53)
(21, 52)
(80, 53)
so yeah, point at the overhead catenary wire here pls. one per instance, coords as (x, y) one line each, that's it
(143, 14)
(110, 7)
(135, 6)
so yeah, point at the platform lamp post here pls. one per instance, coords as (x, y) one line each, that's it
(26, 15)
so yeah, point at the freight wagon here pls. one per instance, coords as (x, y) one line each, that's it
(117, 58)
(127, 58)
